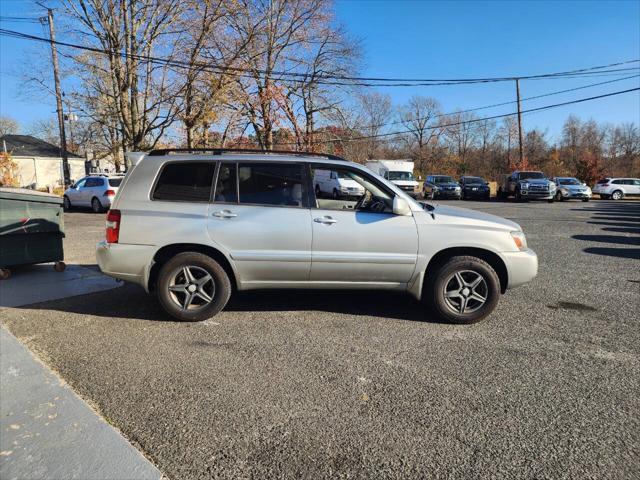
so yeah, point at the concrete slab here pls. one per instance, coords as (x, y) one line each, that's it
(40, 283)
(47, 431)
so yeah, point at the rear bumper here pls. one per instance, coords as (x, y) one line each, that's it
(522, 267)
(131, 263)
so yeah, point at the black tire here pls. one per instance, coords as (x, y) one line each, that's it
(617, 195)
(585, 199)
(518, 196)
(335, 194)
(551, 200)
(220, 293)
(559, 197)
(96, 206)
(441, 278)
(66, 203)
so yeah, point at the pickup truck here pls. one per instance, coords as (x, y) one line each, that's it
(526, 186)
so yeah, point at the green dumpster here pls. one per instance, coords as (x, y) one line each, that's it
(31, 229)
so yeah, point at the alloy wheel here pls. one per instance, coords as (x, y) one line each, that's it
(465, 291)
(192, 288)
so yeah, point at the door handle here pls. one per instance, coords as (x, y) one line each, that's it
(224, 214)
(325, 220)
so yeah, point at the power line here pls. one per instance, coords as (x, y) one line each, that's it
(476, 120)
(322, 78)
(501, 104)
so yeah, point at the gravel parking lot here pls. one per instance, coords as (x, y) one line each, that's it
(336, 384)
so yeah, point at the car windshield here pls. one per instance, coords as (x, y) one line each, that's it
(115, 182)
(531, 175)
(443, 179)
(401, 176)
(474, 180)
(569, 181)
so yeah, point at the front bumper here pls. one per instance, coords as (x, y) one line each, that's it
(575, 195)
(538, 195)
(131, 263)
(522, 267)
(447, 194)
(477, 193)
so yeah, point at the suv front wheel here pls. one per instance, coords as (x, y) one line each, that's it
(193, 287)
(463, 290)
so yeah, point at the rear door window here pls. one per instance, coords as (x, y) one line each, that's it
(185, 182)
(227, 184)
(94, 182)
(279, 184)
(115, 182)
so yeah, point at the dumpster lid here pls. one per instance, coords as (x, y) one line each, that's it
(25, 194)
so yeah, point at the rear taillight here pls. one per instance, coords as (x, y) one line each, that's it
(113, 226)
(109, 193)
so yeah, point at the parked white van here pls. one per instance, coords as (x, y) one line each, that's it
(335, 184)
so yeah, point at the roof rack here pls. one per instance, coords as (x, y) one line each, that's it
(221, 151)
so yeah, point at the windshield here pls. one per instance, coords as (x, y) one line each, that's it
(401, 176)
(443, 179)
(568, 181)
(474, 180)
(115, 182)
(531, 175)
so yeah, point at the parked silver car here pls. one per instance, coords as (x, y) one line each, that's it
(193, 227)
(569, 188)
(95, 191)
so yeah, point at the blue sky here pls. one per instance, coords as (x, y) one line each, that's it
(447, 39)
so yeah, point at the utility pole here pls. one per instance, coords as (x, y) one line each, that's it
(519, 122)
(59, 110)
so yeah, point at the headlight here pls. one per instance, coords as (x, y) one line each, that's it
(520, 240)
(524, 185)
(457, 189)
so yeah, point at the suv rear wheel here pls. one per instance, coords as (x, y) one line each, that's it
(463, 290)
(617, 195)
(192, 287)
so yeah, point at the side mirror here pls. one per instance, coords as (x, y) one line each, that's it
(400, 206)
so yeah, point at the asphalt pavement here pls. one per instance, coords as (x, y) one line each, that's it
(356, 384)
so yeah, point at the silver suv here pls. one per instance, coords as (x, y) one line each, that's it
(194, 226)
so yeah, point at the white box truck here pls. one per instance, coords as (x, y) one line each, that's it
(399, 172)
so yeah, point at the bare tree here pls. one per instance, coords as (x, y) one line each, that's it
(8, 126)
(138, 90)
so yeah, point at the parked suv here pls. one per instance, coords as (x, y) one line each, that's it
(193, 227)
(475, 187)
(526, 186)
(95, 191)
(617, 188)
(441, 186)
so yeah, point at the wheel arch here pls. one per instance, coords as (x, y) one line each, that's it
(169, 251)
(488, 256)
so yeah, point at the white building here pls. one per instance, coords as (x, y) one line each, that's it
(39, 163)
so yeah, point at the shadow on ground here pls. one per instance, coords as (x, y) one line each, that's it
(614, 217)
(131, 302)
